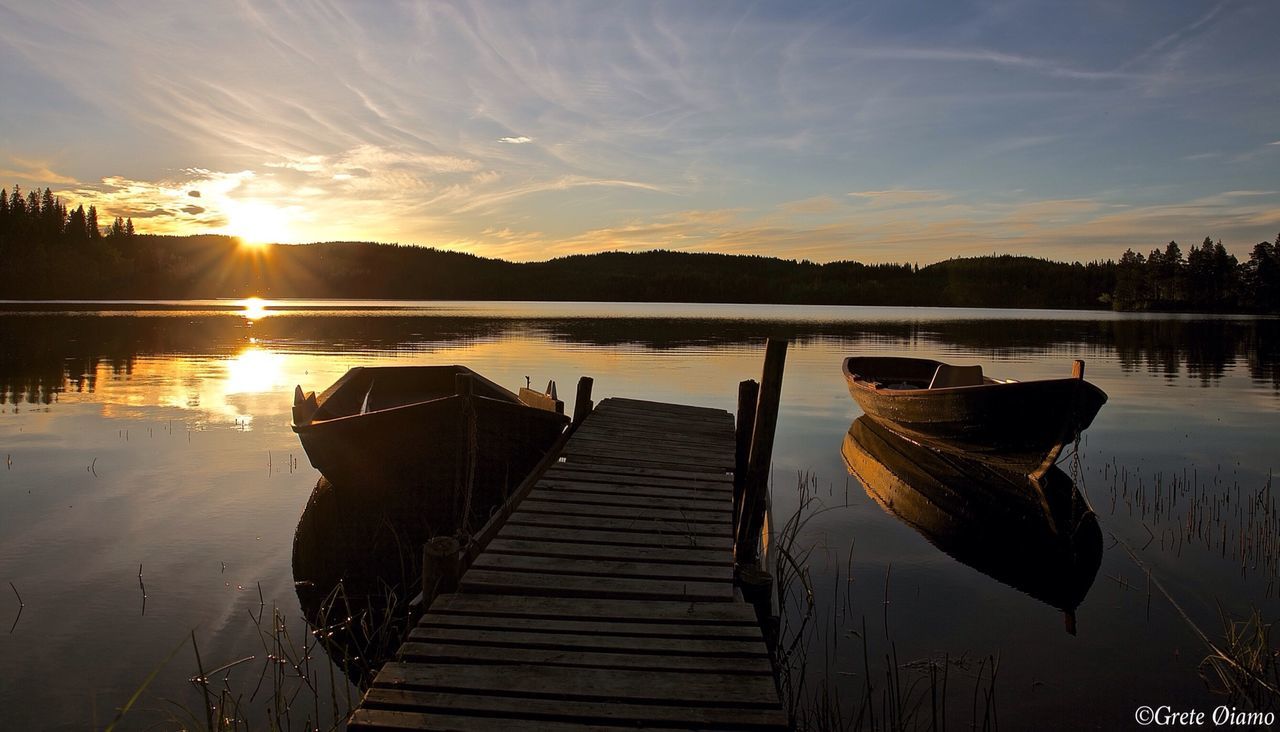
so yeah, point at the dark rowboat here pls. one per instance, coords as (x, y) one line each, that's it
(1018, 425)
(1038, 536)
(444, 434)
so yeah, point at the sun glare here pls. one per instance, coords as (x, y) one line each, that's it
(254, 371)
(255, 308)
(258, 223)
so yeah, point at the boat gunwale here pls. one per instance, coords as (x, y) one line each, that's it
(861, 382)
(511, 398)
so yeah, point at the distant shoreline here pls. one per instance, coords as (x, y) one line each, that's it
(339, 305)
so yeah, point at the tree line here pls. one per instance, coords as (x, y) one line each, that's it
(1207, 278)
(44, 243)
(50, 251)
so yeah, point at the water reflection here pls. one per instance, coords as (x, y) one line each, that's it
(1040, 537)
(43, 354)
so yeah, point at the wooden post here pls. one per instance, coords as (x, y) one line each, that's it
(463, 385)
(441, 568)
(755, 491)
(757, 588)
(748, 393)
(582, 405)
(1077, 369)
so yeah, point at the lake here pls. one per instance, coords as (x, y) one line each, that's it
(151, 486)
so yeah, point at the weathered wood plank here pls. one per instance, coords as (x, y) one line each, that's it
(641, 475)
(653, 662)
(588, 642)
(710, 494)
(652, 423)
(642, 445)
(593, 567)
(571, 508)
(650, 404)
(646, 526)
(413, 716)
(562, 684)
(733, 613)
(614, 538)
(530, 583)
(635, 461)
(569, 550)
(694, 458)
(611, 627)
(614, 412)
(625, 431)
(544, 714)
(615, 497)
(577, 473)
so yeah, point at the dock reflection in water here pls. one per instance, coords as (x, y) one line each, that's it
(1039, 537)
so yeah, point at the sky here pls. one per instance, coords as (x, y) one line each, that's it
(894, 131)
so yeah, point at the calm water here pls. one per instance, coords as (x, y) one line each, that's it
(158, 439)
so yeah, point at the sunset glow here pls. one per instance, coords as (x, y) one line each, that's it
(805, 132)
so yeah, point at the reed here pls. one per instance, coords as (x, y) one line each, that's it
(1245, 667)
(814, 632)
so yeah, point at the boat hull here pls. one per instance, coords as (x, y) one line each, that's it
(458, 456)
(1019, 426)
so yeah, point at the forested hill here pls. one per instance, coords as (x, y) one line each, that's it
(142, 266)
(74, 263)
(48, 251)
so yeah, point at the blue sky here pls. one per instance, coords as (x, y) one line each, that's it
(875, 131)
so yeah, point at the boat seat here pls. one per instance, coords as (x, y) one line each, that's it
(947, 376)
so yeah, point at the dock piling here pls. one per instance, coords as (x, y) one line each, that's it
(748, 394)
(441, 567)
(582, 402)
(755, 489)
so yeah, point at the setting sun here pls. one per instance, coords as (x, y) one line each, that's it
(258, 223)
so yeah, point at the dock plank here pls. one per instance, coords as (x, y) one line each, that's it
(596, 567)
(604, 602)
(550, 713)
(623, 659)
(536, 504)
(533, 583)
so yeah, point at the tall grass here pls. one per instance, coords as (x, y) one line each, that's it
(816, 631)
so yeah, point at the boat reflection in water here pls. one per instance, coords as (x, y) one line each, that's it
(1038, 536)
(407, 454)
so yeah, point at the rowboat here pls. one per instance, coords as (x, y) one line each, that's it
(446, 436)
(1038, 536)
(1020, 426)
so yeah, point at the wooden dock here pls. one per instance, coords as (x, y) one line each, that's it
(605, 601)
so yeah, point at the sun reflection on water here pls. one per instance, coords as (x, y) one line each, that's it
(254, 370)
(255, 308)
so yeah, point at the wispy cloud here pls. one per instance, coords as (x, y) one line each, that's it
(33, 172)
(900, 196)
(522, 128)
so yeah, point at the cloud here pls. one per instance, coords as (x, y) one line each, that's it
(521, 140)
(816, 205)
(34, 173)
(901, 196)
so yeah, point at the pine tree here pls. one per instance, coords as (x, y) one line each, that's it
(77, 229)
(91, 223)
(128, 228)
